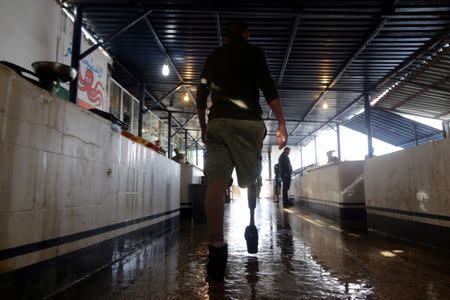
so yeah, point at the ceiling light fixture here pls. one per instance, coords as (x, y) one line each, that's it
(325, 105)
(165, 70)
(186, 97)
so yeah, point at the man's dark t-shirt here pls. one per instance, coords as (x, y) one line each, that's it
(284, 164)
(233, 74)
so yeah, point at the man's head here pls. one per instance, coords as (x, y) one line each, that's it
(235, 30)
(158, 143)
(287, 150)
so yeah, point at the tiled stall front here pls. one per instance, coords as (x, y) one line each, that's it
(68, 181)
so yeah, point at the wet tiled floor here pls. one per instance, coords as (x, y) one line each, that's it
(301, 256)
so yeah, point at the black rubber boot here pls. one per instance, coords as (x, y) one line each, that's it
(251, 237)
(217, 262)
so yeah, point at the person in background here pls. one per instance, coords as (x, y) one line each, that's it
(277, 182)
(159, 148)
(331, 157)
(285, 172)
(258, 187)
(179, 157)
(233, 74)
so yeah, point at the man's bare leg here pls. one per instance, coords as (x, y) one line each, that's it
(214, 211)
(217, 249)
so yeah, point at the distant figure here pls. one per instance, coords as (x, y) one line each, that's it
(126, 118)
(331, 157)
(285, 172)
(159, 148)
(277, 182)
(179, 157)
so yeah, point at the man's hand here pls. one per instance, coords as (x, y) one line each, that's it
(282, 136)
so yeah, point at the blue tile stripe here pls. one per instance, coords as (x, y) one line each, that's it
(25, 249)
(410, 213)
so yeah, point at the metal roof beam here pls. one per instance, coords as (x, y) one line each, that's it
(184, 125)
(355, 55)
(163, 107)
(160, 44)
(289, 48)
(165, 96)
(114, 35)
(426, 88)
(219, 31)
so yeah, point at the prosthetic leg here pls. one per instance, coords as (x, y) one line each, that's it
(251, 232)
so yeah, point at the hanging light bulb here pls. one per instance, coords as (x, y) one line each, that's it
(186, 97)
(165, 70)
(325, 105)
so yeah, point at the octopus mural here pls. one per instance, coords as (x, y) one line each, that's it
(93, 91)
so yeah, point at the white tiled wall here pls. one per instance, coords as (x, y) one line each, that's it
(63, 170)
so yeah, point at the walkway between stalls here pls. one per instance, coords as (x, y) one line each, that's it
(301, 256)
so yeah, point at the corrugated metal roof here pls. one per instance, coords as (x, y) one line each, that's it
(320, 50)
(394, 129)
(425, 91)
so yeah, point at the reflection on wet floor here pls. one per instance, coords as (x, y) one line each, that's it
(301, 256)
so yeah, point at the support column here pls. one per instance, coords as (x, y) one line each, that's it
(301, 159)
(415, 135)
(185, 143)
(338, 134)
(367, 111)
(196, 154)
(315, 150)
(141, 109)
(76, 48)
(169, 135)
(269, 155)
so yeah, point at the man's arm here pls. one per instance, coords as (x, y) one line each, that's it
(282, 137)
(270, 92)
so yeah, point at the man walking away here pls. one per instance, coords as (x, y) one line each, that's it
(284, 164)
(233, 75)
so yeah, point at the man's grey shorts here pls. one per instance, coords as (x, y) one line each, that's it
(234, 143)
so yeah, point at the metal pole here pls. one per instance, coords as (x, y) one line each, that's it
(169, 135)
(269, 154)
(141, 109)
(114, 35)
(76, 48)
(338, 133)
(301, 158)
(315, 149)
(415, 134)
(185, 143)
(196, 153)
(367, 111)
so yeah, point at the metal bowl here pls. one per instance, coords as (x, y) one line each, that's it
(49, 70)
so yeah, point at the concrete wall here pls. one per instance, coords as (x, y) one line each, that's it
(64, 171)
(334, 190)
(413, 184)
(339, 183)
(29, 31)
